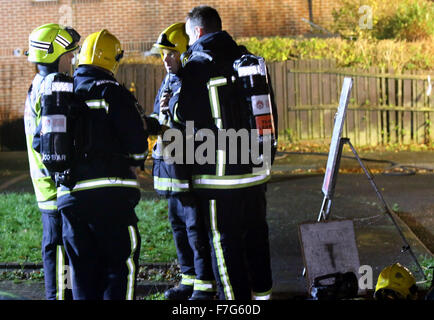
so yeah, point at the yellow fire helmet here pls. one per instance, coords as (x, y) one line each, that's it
(173, 38)
(101, 49)
(395, 282)
(50, 41)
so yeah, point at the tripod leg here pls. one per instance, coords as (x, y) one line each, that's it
(386, 207)
(327, 213)
(322, 213)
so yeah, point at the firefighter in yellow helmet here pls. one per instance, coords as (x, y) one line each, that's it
(172, 180)
(100, 225)
(395, 282)
(51, 48)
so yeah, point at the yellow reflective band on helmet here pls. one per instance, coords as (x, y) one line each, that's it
(98, 104)
(169, 184)
(188, 280)
(130, 264)
(229, 181)
(204, 285)
(221, 264)
(262, 295)
(62, 41)
(99, 183)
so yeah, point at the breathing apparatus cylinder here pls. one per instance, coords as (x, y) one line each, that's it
(254, 90)
(56, 136)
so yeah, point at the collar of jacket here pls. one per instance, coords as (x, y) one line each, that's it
(86, 76)
(208, 41)
(45, 69)
(220, 44)
(93, 72)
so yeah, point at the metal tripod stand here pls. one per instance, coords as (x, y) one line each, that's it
(326, 204)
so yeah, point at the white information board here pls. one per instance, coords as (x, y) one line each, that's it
(328, 183)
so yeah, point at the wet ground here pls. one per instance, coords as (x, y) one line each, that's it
(294, 196)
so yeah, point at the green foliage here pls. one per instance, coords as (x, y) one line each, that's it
(402, 20)
(427, 264)
(153, 296)
(20, 275)
(361, 53)
(21, 230)
(413, 20)
(155, 230)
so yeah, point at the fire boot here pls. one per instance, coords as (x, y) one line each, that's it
(202, 295)
(182, 292)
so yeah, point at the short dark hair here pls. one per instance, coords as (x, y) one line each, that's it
(205, 17)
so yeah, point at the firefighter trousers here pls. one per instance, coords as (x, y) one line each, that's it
(103, 252)
(238, 235)
(191, 242)
(54, 258)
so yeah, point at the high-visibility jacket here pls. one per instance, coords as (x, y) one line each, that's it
(43, 184)
(169, 178)
(202, 98)
(114, 141)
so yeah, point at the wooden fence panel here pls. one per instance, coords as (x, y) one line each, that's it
(279, 83)
(325, 81)
(140, 89)
(291, 119)
(304, 100)
(392, 115)
(374, 118)
(315, 91)
(418, 104)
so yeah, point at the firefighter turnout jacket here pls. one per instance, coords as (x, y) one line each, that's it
(169, 178)
(114, 141)
(205, 95)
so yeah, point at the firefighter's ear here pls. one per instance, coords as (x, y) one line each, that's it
(198, 32)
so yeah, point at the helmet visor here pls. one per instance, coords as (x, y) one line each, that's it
(75, 38)
(119, 56)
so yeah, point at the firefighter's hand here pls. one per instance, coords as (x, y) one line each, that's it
(164, 109)
(164, 101)
(164, 128)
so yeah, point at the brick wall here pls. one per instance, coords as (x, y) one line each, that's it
(137, 24)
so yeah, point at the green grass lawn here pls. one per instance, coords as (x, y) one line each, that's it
(21, 230)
